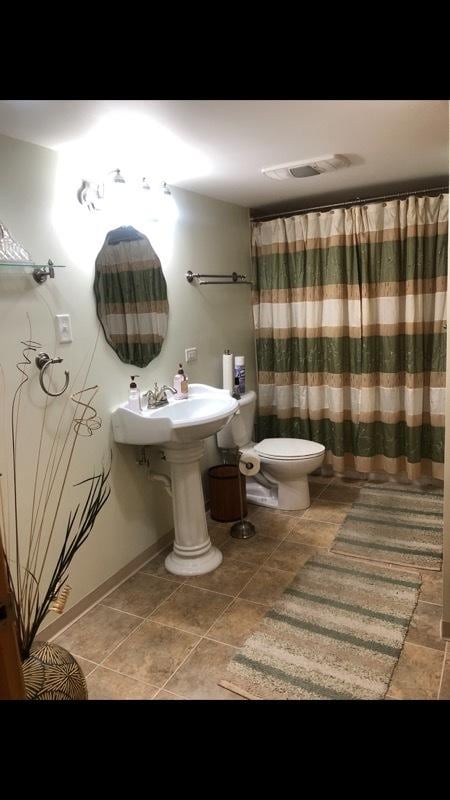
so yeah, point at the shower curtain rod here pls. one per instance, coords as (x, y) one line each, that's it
(356, 201)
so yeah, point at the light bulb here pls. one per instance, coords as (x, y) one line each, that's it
(118, 177)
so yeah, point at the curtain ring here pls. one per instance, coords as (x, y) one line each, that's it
(43, 361)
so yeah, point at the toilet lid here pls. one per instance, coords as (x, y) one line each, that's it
(288, 448)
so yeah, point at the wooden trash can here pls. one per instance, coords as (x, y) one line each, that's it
(224, 493)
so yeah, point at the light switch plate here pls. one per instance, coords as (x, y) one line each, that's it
(64, 328)
(190, 354)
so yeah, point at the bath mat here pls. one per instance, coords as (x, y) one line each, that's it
(336, 633)
(395, 523)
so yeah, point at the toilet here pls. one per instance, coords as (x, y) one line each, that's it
(282, 481)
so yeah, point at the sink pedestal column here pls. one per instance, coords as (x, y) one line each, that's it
(193, 553)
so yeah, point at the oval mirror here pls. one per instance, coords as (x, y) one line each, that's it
(131, 295)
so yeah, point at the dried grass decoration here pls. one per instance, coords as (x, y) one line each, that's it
(36, 588)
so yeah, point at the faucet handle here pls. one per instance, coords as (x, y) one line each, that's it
(166, 388)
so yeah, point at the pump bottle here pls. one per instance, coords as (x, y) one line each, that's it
(134, 398)
(180, 384)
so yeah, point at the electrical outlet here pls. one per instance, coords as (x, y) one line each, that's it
(64, 328)
(190, 354)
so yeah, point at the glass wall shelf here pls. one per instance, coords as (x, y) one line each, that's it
(40, 271)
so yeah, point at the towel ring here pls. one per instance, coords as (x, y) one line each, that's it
(43, 361)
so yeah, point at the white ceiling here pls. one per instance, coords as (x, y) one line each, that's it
(392, 145)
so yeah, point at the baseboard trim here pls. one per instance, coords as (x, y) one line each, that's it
(445, 629)
(58, 625)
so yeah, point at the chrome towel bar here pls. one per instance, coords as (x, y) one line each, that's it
(233, 278)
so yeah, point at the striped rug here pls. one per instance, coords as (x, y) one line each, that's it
(396, 523)
(336, 633)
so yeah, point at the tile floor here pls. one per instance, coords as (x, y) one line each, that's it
(162, 637)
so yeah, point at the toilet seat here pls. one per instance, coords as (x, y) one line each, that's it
(288, 449)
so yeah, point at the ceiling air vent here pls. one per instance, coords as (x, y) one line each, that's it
(305, 169)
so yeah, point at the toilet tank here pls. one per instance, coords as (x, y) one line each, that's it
(239, 431)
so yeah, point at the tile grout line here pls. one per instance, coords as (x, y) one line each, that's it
(124, 675)
(178, 696)
(203, 636)
(144, 619)
(423, 646)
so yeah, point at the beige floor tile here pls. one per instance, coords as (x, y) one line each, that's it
(198, 677)
(272, 523)
(104, 684)
(417, 674)
(220, 534)
(237, 622)
(425, 626)
(252, 508)
(228, 578)
(315, 489)
(163, 695)
(215, 523)
(140, 594)
(340, 493)
(431, 590)
(152, 653)
(321, 480)
(86, 666)
(290, 556)
(444, 694)
(313, 532)
(341, 481)
(156, 567)
(267, 585)
(252, 551)
(327, 512)
(191, 609)
(97, 633)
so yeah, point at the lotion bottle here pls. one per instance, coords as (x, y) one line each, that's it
(180, 383)
(134, 398)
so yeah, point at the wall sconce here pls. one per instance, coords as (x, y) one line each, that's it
(94, 195)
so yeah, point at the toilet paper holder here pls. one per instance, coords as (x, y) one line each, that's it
(243, 529)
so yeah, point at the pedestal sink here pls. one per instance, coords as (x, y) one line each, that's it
(180, 427)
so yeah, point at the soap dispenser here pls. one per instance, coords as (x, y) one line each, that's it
(180, 383)
(134, 398)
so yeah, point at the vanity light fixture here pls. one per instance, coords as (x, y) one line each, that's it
(93, 195)
(118, 177)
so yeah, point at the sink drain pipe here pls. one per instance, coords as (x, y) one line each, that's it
(164, 479)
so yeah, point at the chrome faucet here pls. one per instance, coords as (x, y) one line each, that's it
(157, 396)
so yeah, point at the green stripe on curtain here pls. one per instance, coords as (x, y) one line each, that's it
(365, 263)
(363, 439)
(410, 353)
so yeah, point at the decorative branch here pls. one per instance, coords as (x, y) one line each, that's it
(33, 597)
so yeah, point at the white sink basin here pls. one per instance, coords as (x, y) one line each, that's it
(202, 414)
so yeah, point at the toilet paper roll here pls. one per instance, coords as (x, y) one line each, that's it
(228, 371)
(249, 464)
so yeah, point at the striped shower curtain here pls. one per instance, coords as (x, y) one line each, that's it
(349, 310)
